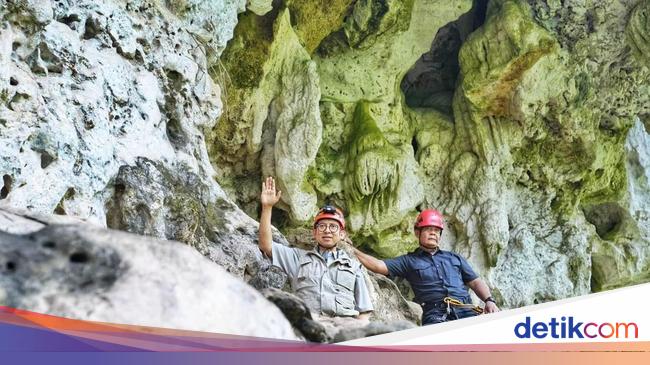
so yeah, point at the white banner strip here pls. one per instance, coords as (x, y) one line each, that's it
(619, 315)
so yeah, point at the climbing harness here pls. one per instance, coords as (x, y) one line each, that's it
(458, 304)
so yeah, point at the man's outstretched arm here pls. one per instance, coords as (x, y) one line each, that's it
(483, 292)
(268, 198)
(371, 263)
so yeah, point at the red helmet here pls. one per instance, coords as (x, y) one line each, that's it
(428, 218)
(330, 212)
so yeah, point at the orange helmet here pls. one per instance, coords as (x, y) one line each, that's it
(428, 218)
(330, 212)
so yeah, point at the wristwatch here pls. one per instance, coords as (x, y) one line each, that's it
(489, 299)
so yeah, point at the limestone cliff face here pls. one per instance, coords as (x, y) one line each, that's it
(88, 87)
(104, 109)
(521, 120)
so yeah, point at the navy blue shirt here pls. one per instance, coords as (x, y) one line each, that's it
(433, 277)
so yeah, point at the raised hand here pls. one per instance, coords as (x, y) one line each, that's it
(269, 196)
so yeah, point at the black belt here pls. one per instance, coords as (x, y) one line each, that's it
(437, 304)
(431, 305)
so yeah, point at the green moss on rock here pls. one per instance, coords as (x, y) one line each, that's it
(638, 30)
(381, 183)
(249, 50)
(314, 20)
(372, 18)
(373, 163)
(494, 58)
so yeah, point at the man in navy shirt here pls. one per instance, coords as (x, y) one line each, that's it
(434, 274)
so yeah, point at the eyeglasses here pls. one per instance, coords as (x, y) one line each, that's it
(323, 226)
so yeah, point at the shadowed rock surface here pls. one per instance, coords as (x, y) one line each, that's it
(90, 273)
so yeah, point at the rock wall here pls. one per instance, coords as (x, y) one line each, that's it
(523, 121)
(89, 273)
(515, 118)
(104, 107)
(89, 87)
(103, 111)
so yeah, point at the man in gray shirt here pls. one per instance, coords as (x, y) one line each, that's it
(328, 280)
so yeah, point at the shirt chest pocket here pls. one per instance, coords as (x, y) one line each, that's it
(454, 273)
(424, 271)
(308, 273)
(345, 277)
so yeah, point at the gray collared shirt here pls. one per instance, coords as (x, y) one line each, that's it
(334, 285)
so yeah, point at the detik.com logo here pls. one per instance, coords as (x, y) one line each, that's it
(567, 327)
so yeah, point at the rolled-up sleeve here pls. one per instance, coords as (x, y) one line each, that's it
(362, 300)
(286, 258)
(397, 266)
(466, 271)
